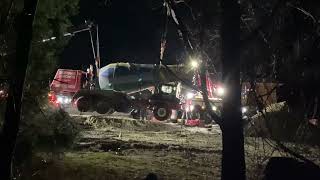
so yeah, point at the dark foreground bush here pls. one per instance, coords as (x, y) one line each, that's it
(279, 168)
(2, 109)
(279, 123)
(51, 131)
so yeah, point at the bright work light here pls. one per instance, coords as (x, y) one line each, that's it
(220, 91)
(194, 64)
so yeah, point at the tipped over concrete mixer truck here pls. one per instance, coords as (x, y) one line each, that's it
(120, 89)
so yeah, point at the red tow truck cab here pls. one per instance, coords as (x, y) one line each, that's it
(64, 85)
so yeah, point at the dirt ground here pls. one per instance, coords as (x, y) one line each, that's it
(124, 148)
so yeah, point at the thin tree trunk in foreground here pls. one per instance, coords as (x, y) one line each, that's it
(19, 65)
(233, 162)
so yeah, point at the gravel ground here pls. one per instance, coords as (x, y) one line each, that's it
(118, 147)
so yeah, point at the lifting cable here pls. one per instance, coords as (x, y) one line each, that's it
(163, 40)
(169, 12)
(185, 36)
(182, 29)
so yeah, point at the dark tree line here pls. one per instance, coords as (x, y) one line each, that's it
(23, 26)
(278, 43)
(233, 161)
(12, 119)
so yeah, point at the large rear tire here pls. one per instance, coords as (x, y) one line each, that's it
(83, 104)
(103, 108)
(135, 114)
(161, 112)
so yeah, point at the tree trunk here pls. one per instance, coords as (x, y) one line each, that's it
(5, 15)
(19, 65)
(233, 161)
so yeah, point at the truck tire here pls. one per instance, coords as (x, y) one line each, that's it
(196, 113)
(103, 108)
(161, 112)
(83, 104)
(135, 114)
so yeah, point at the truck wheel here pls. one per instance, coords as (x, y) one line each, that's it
(161, 113)
(135, 114)
(103, 108)
(83, 104)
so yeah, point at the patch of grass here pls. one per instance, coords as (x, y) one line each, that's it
(281, 124)
(126, 124)
(108, 165)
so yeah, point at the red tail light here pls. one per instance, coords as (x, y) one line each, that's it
(52, 97)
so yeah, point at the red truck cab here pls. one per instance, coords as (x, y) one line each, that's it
(65, 84)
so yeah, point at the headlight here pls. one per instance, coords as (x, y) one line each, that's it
(244, 109)
(191, 107)
(220, 91)
(60, 99)
(190, 95)
(64, 100)
(67, 100)
(214, 108)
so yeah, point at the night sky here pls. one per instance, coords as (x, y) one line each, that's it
(129, 30)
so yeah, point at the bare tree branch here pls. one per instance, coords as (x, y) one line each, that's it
(303, 11)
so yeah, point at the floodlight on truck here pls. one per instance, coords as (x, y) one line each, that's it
(220, 91)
